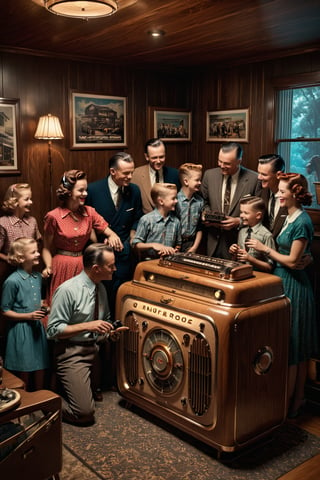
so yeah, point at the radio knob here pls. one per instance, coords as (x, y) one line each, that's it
(184, 401)
(144, 325)
(186, 340)
(218, 294)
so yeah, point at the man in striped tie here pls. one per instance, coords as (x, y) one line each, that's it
(222, 188)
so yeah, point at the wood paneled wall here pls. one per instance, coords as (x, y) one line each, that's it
(43, 86)
(245, 86)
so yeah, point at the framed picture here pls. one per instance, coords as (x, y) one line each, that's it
(229, 125)
(98, 121)
(169, 124)
(9, 136)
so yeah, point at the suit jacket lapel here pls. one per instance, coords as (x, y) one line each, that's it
(110, 202)
(240, 188)
(279, 221)
(219, 193)
(146, 183)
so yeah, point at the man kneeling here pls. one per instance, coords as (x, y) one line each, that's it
(79, 314)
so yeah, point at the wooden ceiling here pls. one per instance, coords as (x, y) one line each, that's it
(197, 32)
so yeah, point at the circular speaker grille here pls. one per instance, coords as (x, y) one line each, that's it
(162, 361)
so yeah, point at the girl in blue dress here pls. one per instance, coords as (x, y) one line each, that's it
(293, 242)
(27, 349)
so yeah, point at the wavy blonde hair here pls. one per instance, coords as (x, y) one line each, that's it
(12, 195)
(17, 250)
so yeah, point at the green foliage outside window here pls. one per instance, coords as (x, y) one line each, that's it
(298, 132)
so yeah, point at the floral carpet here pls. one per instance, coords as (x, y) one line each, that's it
(130, 444)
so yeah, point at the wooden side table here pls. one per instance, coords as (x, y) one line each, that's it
(10, 381)
(37, 455)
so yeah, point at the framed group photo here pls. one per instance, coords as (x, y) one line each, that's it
(98, 121)
(9, 135)
(169, 124)
(229, 125)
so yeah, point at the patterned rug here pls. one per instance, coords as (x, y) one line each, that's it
(133, 445)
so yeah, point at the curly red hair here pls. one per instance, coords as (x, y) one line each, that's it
(298, 186)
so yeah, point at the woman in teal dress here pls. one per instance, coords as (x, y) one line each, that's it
(293, 242)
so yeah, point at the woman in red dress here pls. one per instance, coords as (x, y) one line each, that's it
(67, 230)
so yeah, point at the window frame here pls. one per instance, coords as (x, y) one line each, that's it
(304, 80)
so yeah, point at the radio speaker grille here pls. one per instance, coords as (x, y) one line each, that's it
(200, 375)
(131, 349)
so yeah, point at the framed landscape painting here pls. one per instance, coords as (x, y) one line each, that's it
(98, 121)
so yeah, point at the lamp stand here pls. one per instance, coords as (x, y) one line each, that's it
(50, 172)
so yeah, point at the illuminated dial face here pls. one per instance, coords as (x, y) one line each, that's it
(162, 361)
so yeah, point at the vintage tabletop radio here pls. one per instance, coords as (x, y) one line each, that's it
(207, 347)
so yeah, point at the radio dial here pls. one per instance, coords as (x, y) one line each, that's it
(162, 361)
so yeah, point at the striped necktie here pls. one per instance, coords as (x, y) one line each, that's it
(96, 303)
(227, 196)
(272, 207)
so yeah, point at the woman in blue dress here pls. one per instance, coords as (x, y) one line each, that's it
(293, 242)
(27, 349)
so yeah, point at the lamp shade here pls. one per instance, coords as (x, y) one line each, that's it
(82, 9)
(49, 128)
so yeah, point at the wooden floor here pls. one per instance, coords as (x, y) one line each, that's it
(310, 421)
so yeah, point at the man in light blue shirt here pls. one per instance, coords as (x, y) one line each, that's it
(79, 314)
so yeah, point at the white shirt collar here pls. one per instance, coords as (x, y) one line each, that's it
(113, 186)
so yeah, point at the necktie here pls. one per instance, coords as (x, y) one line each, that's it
(119, 198)
(157, 176)
(271, 213)
(96, 304)
(227, 195)
(248, 237)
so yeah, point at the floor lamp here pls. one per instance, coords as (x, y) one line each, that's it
(49, 129)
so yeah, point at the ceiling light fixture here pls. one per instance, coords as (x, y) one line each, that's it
(156, 33)
(82, 9)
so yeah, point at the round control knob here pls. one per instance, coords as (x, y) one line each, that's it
(263, 360)
(218, 294)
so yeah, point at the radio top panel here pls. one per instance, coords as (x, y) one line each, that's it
(204, 265)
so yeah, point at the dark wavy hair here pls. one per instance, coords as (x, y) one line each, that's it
(12, 195)
(67, 183)
(298, 186)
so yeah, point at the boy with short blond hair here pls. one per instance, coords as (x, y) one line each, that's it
(189, 206)
(159, 232)
(252, 210)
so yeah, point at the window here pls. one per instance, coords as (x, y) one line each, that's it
(298, 132)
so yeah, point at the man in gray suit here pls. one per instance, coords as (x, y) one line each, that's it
(220, 235)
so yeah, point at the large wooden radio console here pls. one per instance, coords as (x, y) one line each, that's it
(207, 347)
